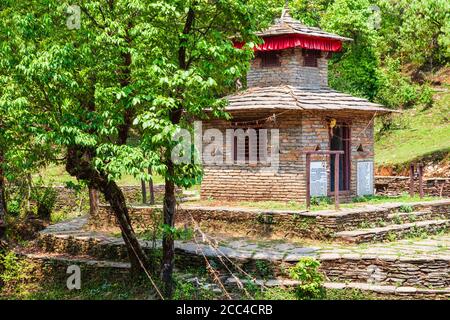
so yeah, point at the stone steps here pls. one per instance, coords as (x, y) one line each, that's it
(388, 291)
(409, 217)
(393, 292)
(392, 231)
(74, 260)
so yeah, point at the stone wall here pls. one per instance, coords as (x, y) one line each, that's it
(266, 223)
(298, 132)
(429, 272)
(290, 72)
(426, 272)
(68, 199)
(253, 181)
(396, 185)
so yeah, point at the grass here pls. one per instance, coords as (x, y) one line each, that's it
(418, 133)
(57, 175)
(300, 206)
(278, 293)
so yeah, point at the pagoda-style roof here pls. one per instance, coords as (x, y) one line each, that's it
(286, 25)
(290, 33)
(287, 97)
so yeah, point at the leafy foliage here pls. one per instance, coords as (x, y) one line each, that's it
(387, 54)
(307, 272)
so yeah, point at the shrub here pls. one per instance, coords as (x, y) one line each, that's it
(45, 198)
(14, 274)
(311, 279)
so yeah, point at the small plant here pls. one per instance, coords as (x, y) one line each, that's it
(263, 268)
(412, 217)
(381, 223)
(397, 219)
(364, 225)
(14, 274)
(311, 279)
(292, 203)
(406, 208)
(359, 199)
(14, 207)
(417, 232)
(391, 236)
(318, 201)
(184, 233)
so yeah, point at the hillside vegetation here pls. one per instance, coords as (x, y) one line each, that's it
(418, 134)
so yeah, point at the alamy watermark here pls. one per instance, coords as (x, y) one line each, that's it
(374, 21)
(258, 147)
(74, 17)
(74, 280)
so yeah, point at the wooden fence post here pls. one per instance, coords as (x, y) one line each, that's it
(411, 180)
(421, 180)
(308, 181)
(336, 181)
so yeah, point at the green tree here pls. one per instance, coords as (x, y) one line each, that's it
(20, 152)
(424, 33)
(355, 69)
(132, 66)
(195, 65)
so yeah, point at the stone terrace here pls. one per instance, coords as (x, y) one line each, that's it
(362, 224)
(413, 264)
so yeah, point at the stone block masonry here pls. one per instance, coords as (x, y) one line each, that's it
(428, 272)
(397, 265)
(291, 71)
(68, 199)
(298, 132)
(269, 223)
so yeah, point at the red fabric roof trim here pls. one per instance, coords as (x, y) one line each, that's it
(296, 40)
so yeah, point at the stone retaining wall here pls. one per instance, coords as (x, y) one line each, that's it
(266, 223)
(69, 199)
(430, 272)
(396, 185)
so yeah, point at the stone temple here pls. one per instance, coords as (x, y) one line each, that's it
(288, 101)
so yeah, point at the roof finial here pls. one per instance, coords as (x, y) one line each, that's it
(285, 11)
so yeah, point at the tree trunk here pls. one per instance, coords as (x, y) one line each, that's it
(3, 207)
(169, 211)
(93, 201)
(79, 165)
(150, 187)
(144, 192)
(114, 195)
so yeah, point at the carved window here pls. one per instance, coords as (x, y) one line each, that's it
(310, 58)
(269, 59)
(254, 145)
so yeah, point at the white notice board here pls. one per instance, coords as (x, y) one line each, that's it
(364, 174)
(318, 178)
